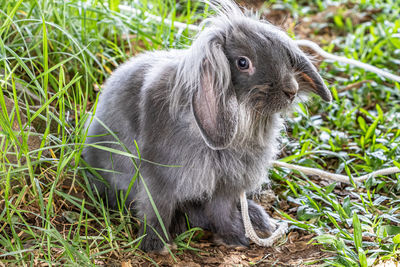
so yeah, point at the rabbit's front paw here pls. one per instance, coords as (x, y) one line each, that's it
(152, 243)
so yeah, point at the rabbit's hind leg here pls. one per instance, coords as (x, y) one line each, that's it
(157, 216)
(189, 215)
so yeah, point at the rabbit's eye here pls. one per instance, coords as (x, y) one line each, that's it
(243, 63)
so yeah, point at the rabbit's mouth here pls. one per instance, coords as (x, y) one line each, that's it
(290, 93)
(267, 100)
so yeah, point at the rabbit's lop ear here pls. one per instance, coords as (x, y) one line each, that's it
(214, 103)
(309, 76)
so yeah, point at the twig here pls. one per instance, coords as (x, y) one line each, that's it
(332, 176)
(350, 61)
(353, 85)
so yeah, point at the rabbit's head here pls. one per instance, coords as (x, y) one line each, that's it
(239, 60)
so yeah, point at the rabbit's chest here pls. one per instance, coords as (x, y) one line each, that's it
(246, 170)
(241, 167)
(223, 171)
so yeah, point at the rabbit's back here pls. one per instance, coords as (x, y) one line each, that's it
(120, 109)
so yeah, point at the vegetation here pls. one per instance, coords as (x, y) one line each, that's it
(54, 58)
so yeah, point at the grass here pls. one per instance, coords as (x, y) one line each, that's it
(54, 57)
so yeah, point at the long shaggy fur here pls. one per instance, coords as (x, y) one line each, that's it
(197, 110)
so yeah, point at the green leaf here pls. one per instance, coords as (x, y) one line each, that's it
(304, 213)
(396, 239)
(357, 231)
(338, 21)
(362, 257)
(371, 130)
(396, 164)
(326, 239)
(114, 5)
(385, 230)
(362, 123)
(395, 42)
(380, 112)
(347, 205)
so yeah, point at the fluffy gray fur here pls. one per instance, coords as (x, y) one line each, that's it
(197, 109)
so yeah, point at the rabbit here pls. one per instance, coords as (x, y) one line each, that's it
(205, 122)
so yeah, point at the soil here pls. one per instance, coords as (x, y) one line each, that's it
(295, 252)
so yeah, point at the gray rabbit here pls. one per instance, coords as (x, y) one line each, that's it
(213, 112)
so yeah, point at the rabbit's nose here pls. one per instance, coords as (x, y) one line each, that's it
(290, 92)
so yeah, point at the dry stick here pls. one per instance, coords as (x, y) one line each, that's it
(283, 226)
(332, 176)
(350, 61)
(353, 86)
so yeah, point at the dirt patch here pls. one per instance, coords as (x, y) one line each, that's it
(295, 252)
